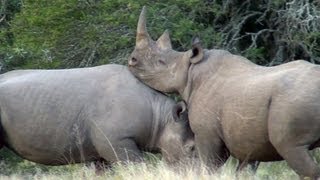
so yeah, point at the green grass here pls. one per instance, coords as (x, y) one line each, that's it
(13, 167)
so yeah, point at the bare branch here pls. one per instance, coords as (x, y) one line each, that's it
(239, 27)
(2, 10)
(2, 18)
(254, 36)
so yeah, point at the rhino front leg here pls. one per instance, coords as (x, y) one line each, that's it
(212, 151)
(128, 151)
(123, 151)
(100, 166)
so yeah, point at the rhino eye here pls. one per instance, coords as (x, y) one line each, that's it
(133, 61)
(161, 62)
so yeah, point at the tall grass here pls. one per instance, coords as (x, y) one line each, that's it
(155, 170)
(13, 167)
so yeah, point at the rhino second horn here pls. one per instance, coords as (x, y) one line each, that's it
(143, 38)
(164, 41)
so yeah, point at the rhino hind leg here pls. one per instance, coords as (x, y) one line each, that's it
(299, 159)
(291, 140)
(293, 128)
(297, 155)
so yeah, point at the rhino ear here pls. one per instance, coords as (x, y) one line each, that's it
(180, 112)
(196, 54)
(164, 41)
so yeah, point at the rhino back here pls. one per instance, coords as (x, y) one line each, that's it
(244, 108)
(49, 114)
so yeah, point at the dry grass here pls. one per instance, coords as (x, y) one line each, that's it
(152, 169)
(159, 171)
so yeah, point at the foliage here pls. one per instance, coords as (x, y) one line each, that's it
(79, 33)
(7, 11)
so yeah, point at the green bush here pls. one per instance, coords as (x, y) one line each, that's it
(79, 33)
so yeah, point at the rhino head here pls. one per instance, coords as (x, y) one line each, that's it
(176, 141)
(157, 64)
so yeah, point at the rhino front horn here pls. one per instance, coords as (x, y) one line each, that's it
(143, 38)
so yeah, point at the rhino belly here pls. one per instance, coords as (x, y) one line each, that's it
(46, 139)
(50, 148)
(253, 151)
(247, 139)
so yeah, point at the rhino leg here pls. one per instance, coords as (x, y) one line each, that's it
(291, 132)
(253, 165)
(299, 159)
(127, 150)
(100, 166)
(122, 151)
(212, 151)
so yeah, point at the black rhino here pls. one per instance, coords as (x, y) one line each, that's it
(57, 117)
(236, 107)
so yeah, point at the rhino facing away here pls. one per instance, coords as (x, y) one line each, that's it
(57, 117)
(236, 107)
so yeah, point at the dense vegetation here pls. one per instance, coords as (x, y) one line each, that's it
(80, 33)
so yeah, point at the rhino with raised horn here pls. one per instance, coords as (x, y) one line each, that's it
(236, 107)
(142, 38)
(57, 117)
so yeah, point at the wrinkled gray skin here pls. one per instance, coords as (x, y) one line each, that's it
(236, 107)
(56, 117)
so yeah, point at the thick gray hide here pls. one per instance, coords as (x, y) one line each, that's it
(57, 117)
